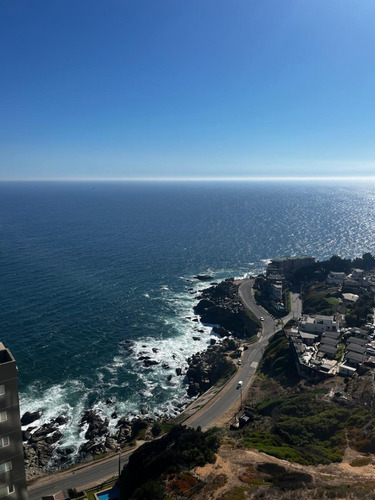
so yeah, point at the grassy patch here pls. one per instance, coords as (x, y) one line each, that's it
(320, 299)
(253, 318)
(333, 301)
(301, 429)
(361, 462)
(277, 361)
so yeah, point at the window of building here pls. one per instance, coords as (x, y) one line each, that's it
(4, 467)
(6, 490)
(4, 441)
(2, 389)
(3, 416)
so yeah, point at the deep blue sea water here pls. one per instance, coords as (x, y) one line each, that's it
(87, 266)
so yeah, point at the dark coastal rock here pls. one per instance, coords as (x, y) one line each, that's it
(203, 306)
(203, 277)
(38, 453)
(111, 443)
(26, 435)
(193, 389)
(97, 426)
(65, 451)
(206, 368)
(30, 417)
(56, 436)
(220, 305)
(61, 420)
(123, 435)
(128, 430)
(114, 415)
(92, 448)
(169, 378)
(165, 366)
(155, 350)
(109, 402)
(127, 345)
(212, 341)
(178, 372)
(43, 431)
(123, 421)
(150, 362)
(219, 330)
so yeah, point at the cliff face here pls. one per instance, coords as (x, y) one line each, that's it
(220, 304)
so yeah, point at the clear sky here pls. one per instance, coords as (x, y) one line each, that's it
(186, 88)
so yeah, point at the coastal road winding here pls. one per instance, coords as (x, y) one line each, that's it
(86, 475)
(250, 360)
(231, 394)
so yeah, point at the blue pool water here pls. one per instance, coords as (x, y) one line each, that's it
(111, 494)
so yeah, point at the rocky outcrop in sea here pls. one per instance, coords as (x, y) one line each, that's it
(208, 367)
(221, 305)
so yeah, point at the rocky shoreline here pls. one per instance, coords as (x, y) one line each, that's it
(218, 305)
(221, 305)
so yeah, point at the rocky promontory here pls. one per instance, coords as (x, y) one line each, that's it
(207, 367)
(221, 305)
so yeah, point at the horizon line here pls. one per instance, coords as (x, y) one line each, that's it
(199, 179)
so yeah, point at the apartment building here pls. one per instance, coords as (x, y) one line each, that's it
(12, 467)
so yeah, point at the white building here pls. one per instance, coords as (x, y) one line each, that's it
(318, 324)
(358, 274)
(335, 278)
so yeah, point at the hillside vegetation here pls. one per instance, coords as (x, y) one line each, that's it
(303, 424)
(152, 465)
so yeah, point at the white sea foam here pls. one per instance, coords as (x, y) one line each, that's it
(155, 389)
(67, 399)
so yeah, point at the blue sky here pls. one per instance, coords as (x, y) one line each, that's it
(198, 88)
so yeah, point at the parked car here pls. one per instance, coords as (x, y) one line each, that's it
(261, 318)
(239, 384)
(239, 362)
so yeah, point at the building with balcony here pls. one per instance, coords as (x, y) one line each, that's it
(12, 467)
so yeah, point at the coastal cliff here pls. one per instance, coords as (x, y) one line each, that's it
(221, 305)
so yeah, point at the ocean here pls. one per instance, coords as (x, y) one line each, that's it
(87, 267)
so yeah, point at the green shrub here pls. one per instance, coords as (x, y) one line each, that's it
(181, 449)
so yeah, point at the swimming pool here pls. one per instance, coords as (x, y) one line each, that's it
(111, 494)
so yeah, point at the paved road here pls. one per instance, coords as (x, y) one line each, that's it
(92, 473)
(250, 361)
(80, 477)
